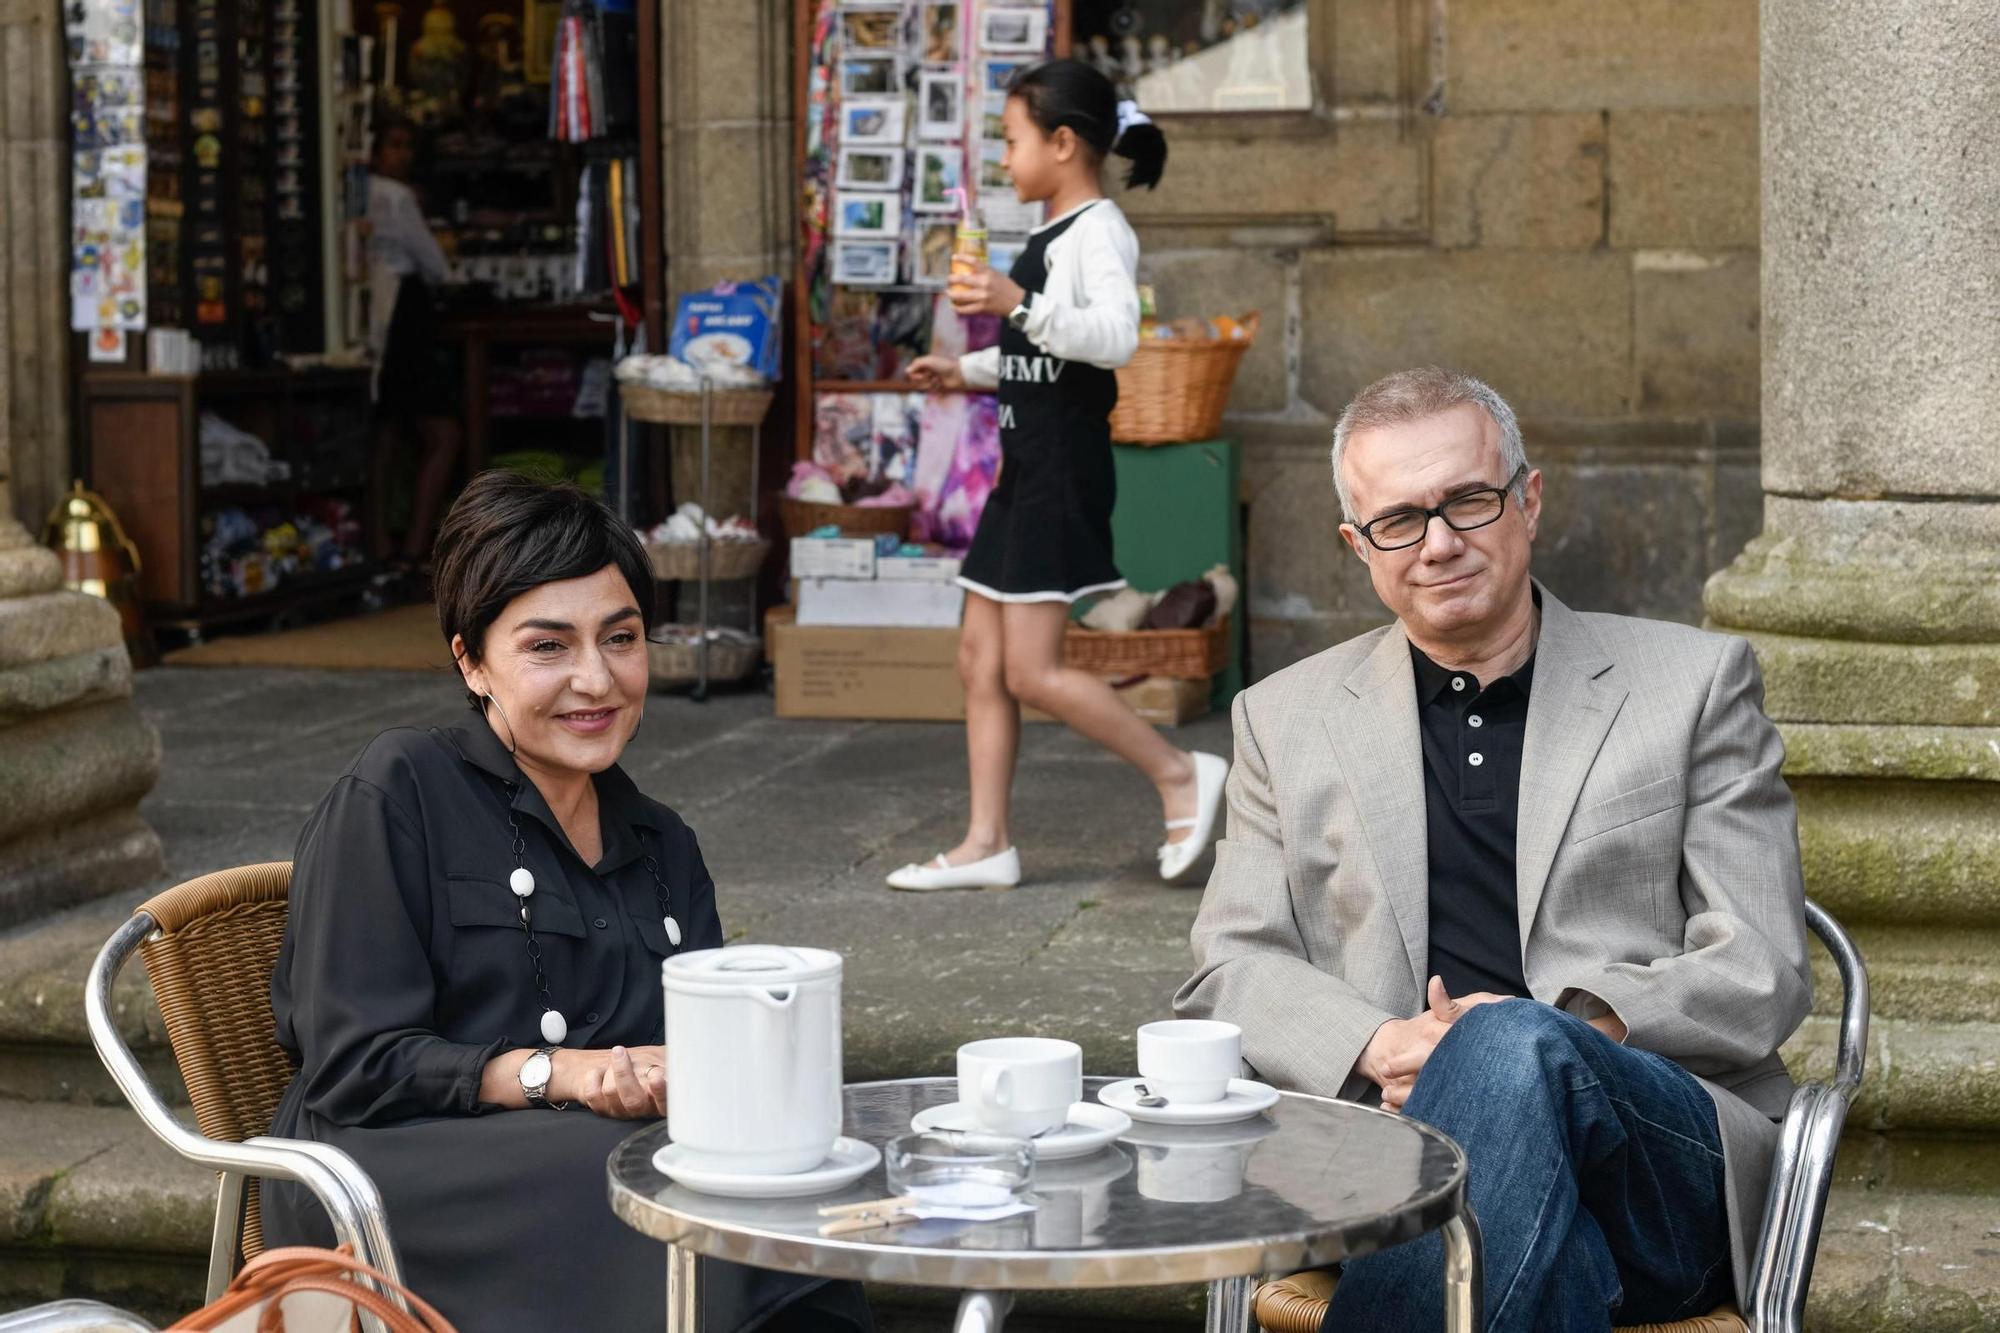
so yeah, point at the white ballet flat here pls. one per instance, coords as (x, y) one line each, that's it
(995, 872)
(1177, 858)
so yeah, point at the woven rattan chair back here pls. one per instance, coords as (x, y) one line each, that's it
(210, 963)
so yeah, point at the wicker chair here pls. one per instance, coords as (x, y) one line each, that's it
(209, 947)
(1802, 1173)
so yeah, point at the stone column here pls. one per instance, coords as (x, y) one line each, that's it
(1872, 595)
(75, 756)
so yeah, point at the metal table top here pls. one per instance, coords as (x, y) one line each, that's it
(1309, 1182)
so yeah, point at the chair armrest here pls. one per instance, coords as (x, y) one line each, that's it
(335, 1179)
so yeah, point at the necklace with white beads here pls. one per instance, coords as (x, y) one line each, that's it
(554, 1026)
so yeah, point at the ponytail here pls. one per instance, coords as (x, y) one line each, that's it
(1140, 142)
(1059, 93)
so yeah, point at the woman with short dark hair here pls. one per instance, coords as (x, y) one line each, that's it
(470, 976)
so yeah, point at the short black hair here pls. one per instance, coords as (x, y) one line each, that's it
(1070, 94)
(508, 534)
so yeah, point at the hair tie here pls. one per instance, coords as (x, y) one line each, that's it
(1129, 115)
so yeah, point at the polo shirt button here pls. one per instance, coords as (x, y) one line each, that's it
(1458, 682)
(1475, 759)
(1475, 721)
(601, 924)
(590, 1017)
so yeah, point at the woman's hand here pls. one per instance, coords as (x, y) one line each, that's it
(984, 292)
(623, 1083)
(937, 372)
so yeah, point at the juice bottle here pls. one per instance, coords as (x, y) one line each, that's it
(968, 252)
(1149, 312)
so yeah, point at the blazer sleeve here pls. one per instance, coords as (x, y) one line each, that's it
(1741, 984)
(1303, 1027)
(1101, 326)
(359, 996)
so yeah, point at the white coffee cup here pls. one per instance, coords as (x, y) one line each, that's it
(1190, 1060)
(1021, 1086)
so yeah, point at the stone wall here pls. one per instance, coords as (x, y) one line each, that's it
(34, 261)
(1557, 195)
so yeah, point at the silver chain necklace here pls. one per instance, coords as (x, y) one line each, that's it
(554, 1026)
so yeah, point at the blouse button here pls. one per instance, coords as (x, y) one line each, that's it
(590, 1017)
(601, 924)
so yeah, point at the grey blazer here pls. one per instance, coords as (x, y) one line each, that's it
(1657, 867)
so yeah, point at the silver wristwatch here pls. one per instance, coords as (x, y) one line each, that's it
(1018, 316)
(536, 1071)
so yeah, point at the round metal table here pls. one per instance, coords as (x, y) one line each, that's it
(1310, 1182)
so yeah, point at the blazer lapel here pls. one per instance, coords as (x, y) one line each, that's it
(1570, 709)
(1373, 730)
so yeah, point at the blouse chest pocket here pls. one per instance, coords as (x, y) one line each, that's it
(476, 900)
(652, 930)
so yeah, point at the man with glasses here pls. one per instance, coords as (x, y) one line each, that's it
(1525, 873)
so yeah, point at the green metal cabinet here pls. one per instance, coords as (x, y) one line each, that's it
(1179, 514)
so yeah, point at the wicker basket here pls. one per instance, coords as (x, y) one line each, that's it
(1183, 654)
(682, 407)
(679, 663)
(805, 516)
(1174, 389)
(726, 560)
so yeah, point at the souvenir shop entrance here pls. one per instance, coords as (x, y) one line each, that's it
(330, 257)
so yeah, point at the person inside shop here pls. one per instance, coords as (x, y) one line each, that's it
(415, 394)
(469, 982)
(1071, 312)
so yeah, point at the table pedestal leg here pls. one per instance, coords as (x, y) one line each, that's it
(982, 1311)
(1464, 1298)
(683, 1290)
(1232, 1305)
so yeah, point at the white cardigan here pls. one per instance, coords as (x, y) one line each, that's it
(1088, 310)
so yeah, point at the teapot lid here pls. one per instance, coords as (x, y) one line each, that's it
(752, 965)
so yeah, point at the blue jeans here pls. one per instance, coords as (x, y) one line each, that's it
(1596, 1172)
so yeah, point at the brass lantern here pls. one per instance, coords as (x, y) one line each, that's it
(99, 559)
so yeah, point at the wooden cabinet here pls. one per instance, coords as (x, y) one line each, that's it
(141, 444)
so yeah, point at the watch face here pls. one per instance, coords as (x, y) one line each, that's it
(535, 1071)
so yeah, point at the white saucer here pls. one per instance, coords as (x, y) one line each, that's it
(1245, 1098)
(1089, 1128)
(850, 1160)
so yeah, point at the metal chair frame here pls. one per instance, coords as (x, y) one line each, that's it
(1802, 1172)
(335, 1179)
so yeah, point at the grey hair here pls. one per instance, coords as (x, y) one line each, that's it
(1412, 395)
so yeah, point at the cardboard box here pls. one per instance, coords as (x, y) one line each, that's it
(880, 605)
(833, 558)
(832, 671)
(917, 569)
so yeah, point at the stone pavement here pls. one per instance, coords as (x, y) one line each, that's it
(799, 821)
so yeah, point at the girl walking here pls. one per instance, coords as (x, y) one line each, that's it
(1071, 311)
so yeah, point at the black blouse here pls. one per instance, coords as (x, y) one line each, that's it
(405, 967)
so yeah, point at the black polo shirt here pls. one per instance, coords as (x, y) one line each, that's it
(1472, 790)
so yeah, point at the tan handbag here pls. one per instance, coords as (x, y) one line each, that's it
(303, 1289)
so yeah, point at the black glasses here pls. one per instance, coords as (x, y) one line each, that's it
(1400, 528)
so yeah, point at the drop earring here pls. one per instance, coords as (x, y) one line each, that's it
(511, 745)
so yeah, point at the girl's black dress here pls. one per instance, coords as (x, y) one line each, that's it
(1045, 534)
(404, 970)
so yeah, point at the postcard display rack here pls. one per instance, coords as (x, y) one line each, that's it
(902, 102)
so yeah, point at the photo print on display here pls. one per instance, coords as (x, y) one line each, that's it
(939, 94)
(1022, 30)
(940, 31)
(872, 120)
(860, 213)
(870, 30)
(996, 75)
(864, 263)
(938, 177)
(931, 261)
(867, 168)
(871, 76)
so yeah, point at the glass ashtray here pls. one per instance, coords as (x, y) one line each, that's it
(969, 1169)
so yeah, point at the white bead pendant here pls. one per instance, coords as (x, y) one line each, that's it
(673, 931)
(522, 881)
(554, 1029)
